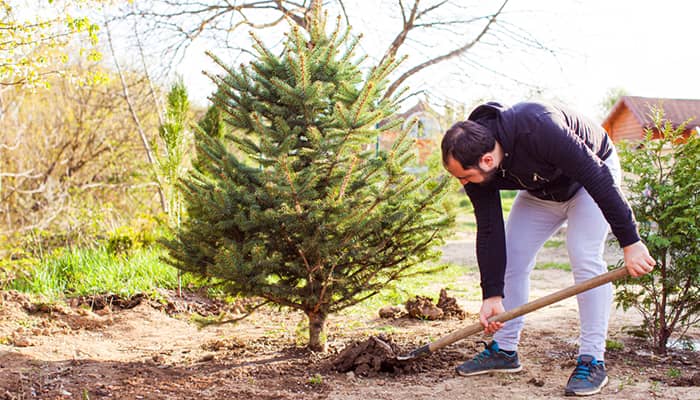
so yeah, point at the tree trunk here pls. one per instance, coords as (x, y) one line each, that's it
(317, 331)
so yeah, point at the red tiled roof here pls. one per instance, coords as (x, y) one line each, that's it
(676, 111)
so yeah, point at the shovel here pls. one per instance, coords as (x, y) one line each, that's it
(460, 334)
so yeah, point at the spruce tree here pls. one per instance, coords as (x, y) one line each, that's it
(312, 216)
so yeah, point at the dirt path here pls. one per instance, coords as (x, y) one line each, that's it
(144, 353)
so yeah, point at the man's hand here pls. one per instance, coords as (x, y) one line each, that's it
(637, 259)
(490, 307)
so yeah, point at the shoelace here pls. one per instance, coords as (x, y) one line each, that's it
(484, 354)
(582, 370)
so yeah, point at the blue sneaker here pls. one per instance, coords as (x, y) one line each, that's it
(492, 359)
(588, 377)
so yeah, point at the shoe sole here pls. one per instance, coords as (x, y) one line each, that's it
(504, 370)
(589, 393)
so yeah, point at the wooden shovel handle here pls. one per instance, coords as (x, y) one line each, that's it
(599, 280)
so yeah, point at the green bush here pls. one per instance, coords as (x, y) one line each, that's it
(665, 195)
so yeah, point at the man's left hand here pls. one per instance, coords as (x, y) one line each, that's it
(637, 259)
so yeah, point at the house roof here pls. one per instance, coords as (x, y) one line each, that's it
(420, 106)
(676, 111)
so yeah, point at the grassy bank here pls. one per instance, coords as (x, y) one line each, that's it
(77, 272)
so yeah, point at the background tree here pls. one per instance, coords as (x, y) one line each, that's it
(665, 196)
(611, 97)
(432, 32)
(312, 218)
(175, 135)
(68, 154)
(33, 49)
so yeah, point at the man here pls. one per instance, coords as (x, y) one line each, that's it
(567, 170)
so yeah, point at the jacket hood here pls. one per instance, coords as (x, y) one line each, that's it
(499, 119)
(487, 111)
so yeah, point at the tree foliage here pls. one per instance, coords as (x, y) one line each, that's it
(175, 136)
(32, 48)
(311, 217)
(665, 197)
(69, 151)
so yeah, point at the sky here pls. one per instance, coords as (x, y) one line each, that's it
(648, 48)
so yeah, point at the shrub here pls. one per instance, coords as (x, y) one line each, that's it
(665, 196)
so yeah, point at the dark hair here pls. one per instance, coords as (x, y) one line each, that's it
(466, 142)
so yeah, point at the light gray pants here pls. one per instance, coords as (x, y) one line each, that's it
(530, 223)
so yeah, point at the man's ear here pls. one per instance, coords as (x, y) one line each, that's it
(487, 161)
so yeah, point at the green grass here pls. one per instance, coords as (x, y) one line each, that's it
(428, 285)
(613, 345)
(553, 265)
(553, 244)
(76, 272)
(465, 212)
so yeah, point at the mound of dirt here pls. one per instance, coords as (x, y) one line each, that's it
(367, 357)
(391, 312)
(187, 302)
(449, 306)
(378, 354)
(112, 301)
(423, 308)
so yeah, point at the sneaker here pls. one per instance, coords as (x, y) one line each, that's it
(492, 359)
(588, 377)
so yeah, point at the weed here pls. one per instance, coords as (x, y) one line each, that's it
(674, 373)
(613, 345)
(654, 387)
(316, 379)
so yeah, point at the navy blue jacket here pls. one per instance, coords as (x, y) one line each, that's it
(551, 152)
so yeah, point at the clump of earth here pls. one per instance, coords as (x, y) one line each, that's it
(422, 307)
(378, 354)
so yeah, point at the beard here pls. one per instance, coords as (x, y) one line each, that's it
(486, 175)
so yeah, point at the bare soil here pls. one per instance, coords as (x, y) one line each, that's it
(139, 348)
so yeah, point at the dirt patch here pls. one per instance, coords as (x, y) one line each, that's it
(154, 351)
(170, 301)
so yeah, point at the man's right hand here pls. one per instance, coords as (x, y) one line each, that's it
(490, 307)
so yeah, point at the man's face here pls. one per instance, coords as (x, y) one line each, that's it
(469, 175)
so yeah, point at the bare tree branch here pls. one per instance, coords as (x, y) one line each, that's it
(454, 53)
(156, 101)
(174, 25)
(134, 116)
(408, 24)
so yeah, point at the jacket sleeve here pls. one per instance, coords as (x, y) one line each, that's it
(562, 147)
(490, 238)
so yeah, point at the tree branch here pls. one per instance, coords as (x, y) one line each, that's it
(454, 53)
(134, 116)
